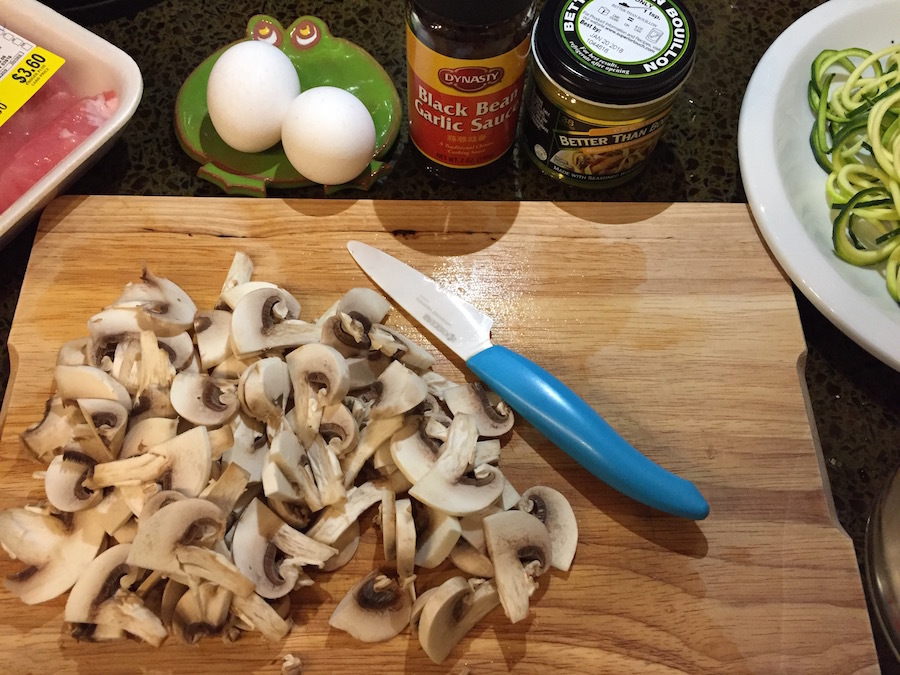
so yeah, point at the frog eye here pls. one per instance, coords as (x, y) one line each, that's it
(266, 31)
(305, 35)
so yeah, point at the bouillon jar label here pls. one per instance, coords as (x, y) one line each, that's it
(462, 112)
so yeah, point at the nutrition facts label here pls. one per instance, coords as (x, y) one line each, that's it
(24, 69)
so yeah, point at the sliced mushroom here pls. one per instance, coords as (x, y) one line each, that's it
(333, 520)
(74, 382)
(436, 535)
(376, 608)
(387, 512)
(346, 544)
(146, 433)
(74, 352)
(494, 417)
(107, 329)
(189, 456)
(447, 487)
(233, 295)
(271, 553)
(63, 482)
(240, 272)
(338, 428)
(348, 333)
(520, 549)
(376, 433)
(250, 446)
(98, 600)
(266, 320)
(398, 390)
(326, 470)
(406, 539)
(554, 511)
(264, 390)
(320, 378)
(201, 610)
(367, 368)
(212, 332)
(179, 348)
(290, 458)
(396, 345)
(54, 431)
(470, 560)
(204, 400)
(227, 490)
(176, 541)
(108, 420)
(162, 305)
(152, 402)
(452, 611)
(54, 552)
(261, 616)
(413, 451)
(365, 301)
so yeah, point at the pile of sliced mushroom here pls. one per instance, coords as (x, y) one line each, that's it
(202, 464)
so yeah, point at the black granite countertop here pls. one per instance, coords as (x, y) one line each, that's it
(856, 410)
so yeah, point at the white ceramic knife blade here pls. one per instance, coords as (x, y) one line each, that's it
(553, 408)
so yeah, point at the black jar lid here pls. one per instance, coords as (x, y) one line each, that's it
(617, 52)
(476, 12)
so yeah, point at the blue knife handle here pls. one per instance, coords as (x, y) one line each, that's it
(558, 413)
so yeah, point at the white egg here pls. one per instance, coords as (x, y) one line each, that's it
(250, 88)
(328, 135)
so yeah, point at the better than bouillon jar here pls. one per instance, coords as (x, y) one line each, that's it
(606, 73)
(467, 61)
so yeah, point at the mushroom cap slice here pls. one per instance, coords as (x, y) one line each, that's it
(108, 421)
(347, 543)
(250, 445)
(184, 522)
(162, 305)
(179, 348)
(200, 611)
(398, 390)
(189, 456)
(97, 583)
(366, 301)
(553, 509)
(437, 538)
(376, 608)
(265, 320)
(320, 378)
(55, 554)
(447, 487)
(406, 539)
(202, 399)
(55, 430)
(470, 560)
(146, 433)
(338, 428)
(271, 553)
(75, 382)
(452, 611)
(413, 451)
(63, 482)
(494, 417)
(347, 332)
(264, 389)
(212, 332)
(240, 272)
(396, 345)
(107, 329)
(520, 549)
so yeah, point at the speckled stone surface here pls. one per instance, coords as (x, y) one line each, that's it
(853, 397)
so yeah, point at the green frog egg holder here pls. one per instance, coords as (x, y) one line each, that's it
(320, 59)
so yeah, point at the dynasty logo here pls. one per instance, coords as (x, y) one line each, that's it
(470, 79)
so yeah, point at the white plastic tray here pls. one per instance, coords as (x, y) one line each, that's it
(93, 65)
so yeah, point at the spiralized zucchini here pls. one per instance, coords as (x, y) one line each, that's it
(855, 97)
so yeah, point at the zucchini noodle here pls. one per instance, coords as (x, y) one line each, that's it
(854, 95)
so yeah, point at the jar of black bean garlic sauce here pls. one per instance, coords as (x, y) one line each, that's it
(467, 62)
(605, 75)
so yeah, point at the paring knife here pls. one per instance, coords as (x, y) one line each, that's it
(548, 404)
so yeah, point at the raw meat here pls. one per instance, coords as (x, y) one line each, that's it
(44, 131)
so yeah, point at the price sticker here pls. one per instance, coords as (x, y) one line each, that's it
(24, 69)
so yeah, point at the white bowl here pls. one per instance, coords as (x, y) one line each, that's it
(786, 188)
(93, 66)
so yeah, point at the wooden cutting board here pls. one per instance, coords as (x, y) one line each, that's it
(670, 319)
